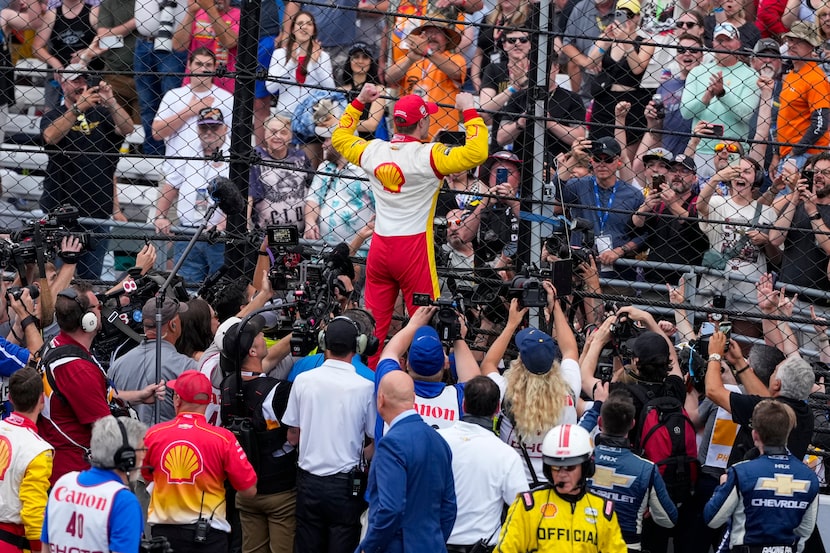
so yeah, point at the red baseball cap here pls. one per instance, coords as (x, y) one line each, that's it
(192, 387)
(411, 108)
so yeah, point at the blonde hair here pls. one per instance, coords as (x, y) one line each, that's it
(537, 401)
(517, 19)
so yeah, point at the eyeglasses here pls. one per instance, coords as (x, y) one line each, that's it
(517, 40)
(686, 24)
(688, 50)
(604, 159)
(822, 172)
(566, 469)
(731, 148)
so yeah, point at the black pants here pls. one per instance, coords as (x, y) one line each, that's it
(181, 539)
(328, 516)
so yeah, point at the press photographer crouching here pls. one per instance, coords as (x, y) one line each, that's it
(252, 407)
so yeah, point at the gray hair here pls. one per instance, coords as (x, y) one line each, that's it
(797, 378)
(107, 440)
(763, 359)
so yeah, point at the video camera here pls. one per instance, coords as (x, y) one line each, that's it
(558, 243)
(51, 230)
(447, 321)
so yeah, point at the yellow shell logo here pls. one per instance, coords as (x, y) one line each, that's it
(390, 176)
(5, 456)
(548, 510)
(181, 462)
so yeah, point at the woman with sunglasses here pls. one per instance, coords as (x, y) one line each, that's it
(513, 14)
(503, 80)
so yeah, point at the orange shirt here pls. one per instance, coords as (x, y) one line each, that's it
(428, 81)
(188, 461)
(802, 93)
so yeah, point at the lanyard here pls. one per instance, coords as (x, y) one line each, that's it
(602, 215)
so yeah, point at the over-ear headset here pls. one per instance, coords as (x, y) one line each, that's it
(87, 320)
(125, 458)
(759, 172)
(364, 345)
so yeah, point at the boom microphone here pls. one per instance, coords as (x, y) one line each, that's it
(339, 259)
(226, 195)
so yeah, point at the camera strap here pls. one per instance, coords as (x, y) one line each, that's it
(111, 315)
(525, 454)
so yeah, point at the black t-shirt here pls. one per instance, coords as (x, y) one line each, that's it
(675, 240)
(70, 35)
(804, 262)
(82, 165)
(742, 407)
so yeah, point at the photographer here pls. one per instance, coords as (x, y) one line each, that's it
(12, 356)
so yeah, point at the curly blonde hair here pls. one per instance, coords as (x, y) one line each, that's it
(537, 401)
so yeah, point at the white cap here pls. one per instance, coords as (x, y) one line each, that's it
(223, 329)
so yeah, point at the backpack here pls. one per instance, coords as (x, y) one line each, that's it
(665, 435)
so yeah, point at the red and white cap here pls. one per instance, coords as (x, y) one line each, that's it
(412, 108)
(566, 445)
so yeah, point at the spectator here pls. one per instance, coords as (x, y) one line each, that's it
(66, 28)
(800, 230)
(278, 187)
(670, 236)
(340, 202)
(498, 234)
(487, 472)
(621, 66)
(361, 67)
(605, 191)
(177, 124)
(271, 16)
(331, 438)
(83, 137)
(335, 27)
(136, 369)
(268, 518)
(24, 17)
(500, 81)
(731, 12)
(80, 392)
(189, 462)
(189, 188)
(458, 252)
(432, 71)
(752, 490)
(566, 508)
(199, 325)
(767, 62)
(688, 55)
(403, 214)
(564, 114)
(633, 483)
(768, 19)
(507, 16)
(439, 404)
(723, 92)
(805, 99)
(12, 356)
(587, 21)
(541, 388)
(411, 492)
(211, 24)
(461, 190)
(654, 164)
(110, 518)
(24, 488)
(157, 65)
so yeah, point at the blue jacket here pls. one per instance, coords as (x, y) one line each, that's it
(411, 491)
(773, 500)
(633, 484)
(12, 358)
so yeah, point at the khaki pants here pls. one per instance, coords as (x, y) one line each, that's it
(268, 522)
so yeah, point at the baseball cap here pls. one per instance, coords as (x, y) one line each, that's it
(631, 5)
(411, 108)
(235, 344)
(211, 116)
(362, 47)
(726, 29)
(219, 338)
(650, 347)
(343, 332)
(169, 309)
(192, 387)
(686, 161)
(73, 71)
(537, 350)
(661, 154)
(605, 146)
(767, 45)
(504, 155)
(426, 354)
(804, 31)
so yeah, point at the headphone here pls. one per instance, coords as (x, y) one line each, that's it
(124, 458)
(759, 172)
(364, 344)
(87, 320)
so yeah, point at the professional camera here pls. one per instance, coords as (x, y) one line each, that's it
(16, 292)
(446, 320)
(285, 272)
(439, 226)
(47, 234)
(167, 26)
(558, 243)
(528, 290)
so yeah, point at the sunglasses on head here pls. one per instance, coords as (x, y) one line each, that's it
(517, 40)
(731, 148)
(685, 24)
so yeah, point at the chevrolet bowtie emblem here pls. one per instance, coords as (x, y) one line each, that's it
(783, 484)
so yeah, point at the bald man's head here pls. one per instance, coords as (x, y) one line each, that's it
(396, 394)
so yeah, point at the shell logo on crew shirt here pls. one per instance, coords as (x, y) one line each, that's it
(181, 462)
(5, 456)
(548, 510)
(390, 176)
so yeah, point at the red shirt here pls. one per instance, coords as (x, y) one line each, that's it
(85, 390)
(188, 461)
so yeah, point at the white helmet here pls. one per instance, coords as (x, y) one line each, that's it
(566, 445)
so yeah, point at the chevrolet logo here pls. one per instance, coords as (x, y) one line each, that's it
(607, 477)
(783, 484)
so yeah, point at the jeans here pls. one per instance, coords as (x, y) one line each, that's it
(202, 260)
(91, 262)
(152, 87)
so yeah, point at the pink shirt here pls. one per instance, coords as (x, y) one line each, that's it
(203, 36)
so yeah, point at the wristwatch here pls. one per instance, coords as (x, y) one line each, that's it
(715, 357)
(815, 217)
(77, 112)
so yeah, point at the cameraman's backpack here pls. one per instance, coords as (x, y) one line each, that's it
(665, 435)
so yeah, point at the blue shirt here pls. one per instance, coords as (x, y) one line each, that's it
(313, 361)
(125, 522)
(580, 195)
(672, 92)
(12, 358)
